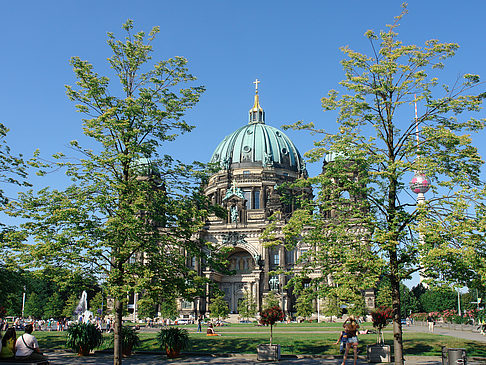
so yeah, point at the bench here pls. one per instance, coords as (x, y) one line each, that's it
(24, 362)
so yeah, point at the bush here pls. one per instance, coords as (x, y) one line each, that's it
(173, 339)
(381, 317)
(83, 337)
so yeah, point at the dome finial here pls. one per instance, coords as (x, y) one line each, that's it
(257, 115)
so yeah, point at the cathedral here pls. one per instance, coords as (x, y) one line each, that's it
(254, 160)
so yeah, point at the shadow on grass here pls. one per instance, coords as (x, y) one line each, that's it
(50, 340)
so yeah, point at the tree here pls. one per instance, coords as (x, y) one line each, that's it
(271, 315)
(147, 308)
(168, 308)
(247, 307)
(363, 222)
(437, 300)
(97, 303)
(218, 307)
(12, 171)
(70, 306)
(304, 306)
(131, 213)
(271, 300)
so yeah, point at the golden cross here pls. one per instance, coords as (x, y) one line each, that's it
(256, 82)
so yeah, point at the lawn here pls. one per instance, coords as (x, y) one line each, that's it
(302, 338)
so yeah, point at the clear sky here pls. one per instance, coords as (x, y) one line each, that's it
(291, 46)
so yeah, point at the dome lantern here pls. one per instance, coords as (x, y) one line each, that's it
(256, 114)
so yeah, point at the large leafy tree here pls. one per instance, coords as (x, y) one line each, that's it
(12, 171)
(131, 213)
(363, 222)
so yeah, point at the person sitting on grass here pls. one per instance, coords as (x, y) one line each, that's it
(210, 331)
(27, 347)
(8, 344)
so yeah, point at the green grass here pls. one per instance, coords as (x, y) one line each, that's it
(306, 338)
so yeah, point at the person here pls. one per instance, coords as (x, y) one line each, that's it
(351, 327)
(430, 322)
(7, 345)
(343, 340)
(210, 330)
(199, 324)
(27, 347)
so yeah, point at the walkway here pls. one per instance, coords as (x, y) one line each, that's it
(467, 335)
(62, 358)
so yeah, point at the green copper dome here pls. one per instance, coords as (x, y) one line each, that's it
(258, 145)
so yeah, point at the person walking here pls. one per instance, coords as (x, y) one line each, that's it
(431, 322)
(199, 324)
(351, 327)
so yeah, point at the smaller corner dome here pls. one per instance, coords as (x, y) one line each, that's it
(144, 166)
(259, 145)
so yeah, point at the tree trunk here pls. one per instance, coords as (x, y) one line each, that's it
(397, 323)
(117, 348)
(271, 333)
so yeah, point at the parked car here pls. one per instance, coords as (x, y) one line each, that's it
(182, 321)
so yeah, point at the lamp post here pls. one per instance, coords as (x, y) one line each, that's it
(458, 302)
(23, 301)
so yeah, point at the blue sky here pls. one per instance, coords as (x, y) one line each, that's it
(291, 46)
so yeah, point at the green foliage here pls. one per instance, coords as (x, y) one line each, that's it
(83, 337)
(218, 307)
(437, 300)
(129, 338)
(362, 223)
(12, 171)
(247, 307)
(168, 308)
(173, 338)
(146, 307)
(304, 306)
(54, 306)
(270, 300)
(97, 303)
(132, 212)
(34, 306)
(70, 306)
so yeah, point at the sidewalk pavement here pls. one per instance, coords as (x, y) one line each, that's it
(59, 358)
(467, 335)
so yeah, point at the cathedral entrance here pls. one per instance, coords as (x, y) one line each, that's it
(245, 279)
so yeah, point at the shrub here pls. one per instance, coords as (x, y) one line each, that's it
(173, 339)
(83, 337)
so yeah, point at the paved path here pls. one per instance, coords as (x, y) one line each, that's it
(467, 335)
(63, 358)
(59, 358)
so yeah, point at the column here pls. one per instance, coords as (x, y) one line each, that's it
(266, 268)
